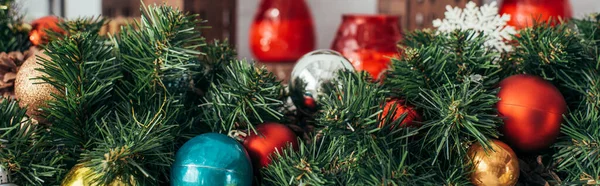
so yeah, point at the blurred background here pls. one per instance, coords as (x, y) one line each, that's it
(232, 18)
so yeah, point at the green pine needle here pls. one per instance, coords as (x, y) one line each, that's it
(241, 97)
(26, 149)
(133, 147)
(459, 113)
(351, 105)
(579, 150)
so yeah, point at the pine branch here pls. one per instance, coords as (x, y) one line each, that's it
(458, 113)
(131, 146)
(72, 27)
(351, 105)
(241, 97)
(589, 28)
(159, 52)
(579, 150)
(417, 38)
(445, 58)
(219, 55)
(160, 58)
(26, 149)
(388, 160)
(451, 78)
(83, 70)
(329, 160)
(315, 163)
(555, 53)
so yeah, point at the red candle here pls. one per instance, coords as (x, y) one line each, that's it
(524, 12)
(282, 31)
(368, 41)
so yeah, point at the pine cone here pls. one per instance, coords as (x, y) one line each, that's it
(9, 66)
(536, 170)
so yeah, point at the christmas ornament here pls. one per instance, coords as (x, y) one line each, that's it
(38, 34)
(310, 73)
(9, 66)
(532, 110)
(33, 93)
(269, 137)
(496, 166)
(282, 31)
(4, 177)
(211, 159)
(411, 115)
(368, 41)
(524, 12)
(82, 176)
(484, 19)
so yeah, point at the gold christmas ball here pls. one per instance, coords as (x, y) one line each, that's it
(497, 166)
(82, 176)
(33, 93)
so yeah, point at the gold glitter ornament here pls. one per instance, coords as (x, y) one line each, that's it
(82, 176)
(33, 93)
(497, 166)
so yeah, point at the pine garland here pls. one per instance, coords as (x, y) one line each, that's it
(128, 101)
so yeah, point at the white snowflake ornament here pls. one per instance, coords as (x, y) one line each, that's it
(484, 19)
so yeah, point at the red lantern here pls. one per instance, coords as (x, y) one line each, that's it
(270, 137)
(368, 41)
(282, 31)
(38, 33)
(532, 110)
(411, 115)
(523, 12)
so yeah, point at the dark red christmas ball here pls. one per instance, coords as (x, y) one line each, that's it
(532, 110)
(39, 26)
(270, 137)
(411, 115)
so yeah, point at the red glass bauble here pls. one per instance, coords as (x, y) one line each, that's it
(524, 12)
(270, 137)
(282, 31)
(411, 118)
(39, 27)
(368, 41)
(532, 110)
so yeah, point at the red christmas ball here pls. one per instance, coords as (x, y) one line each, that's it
(411, 115)
(270, 137)
(38, 33)
(524, 12)
(532, 110)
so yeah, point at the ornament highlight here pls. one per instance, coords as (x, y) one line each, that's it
(38, 34)
(4, 177)
(309, 75)
(211, 159)
(33, 93)
(411, 115)
(497, 166)
(269, 137)
(532, 109)
(82, 176)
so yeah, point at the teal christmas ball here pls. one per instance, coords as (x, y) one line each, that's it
(211, 159)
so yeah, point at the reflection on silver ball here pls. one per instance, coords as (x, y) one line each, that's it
(309, 74)
(4, 174)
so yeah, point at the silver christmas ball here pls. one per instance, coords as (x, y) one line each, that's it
(4, 174)
(310, 73)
